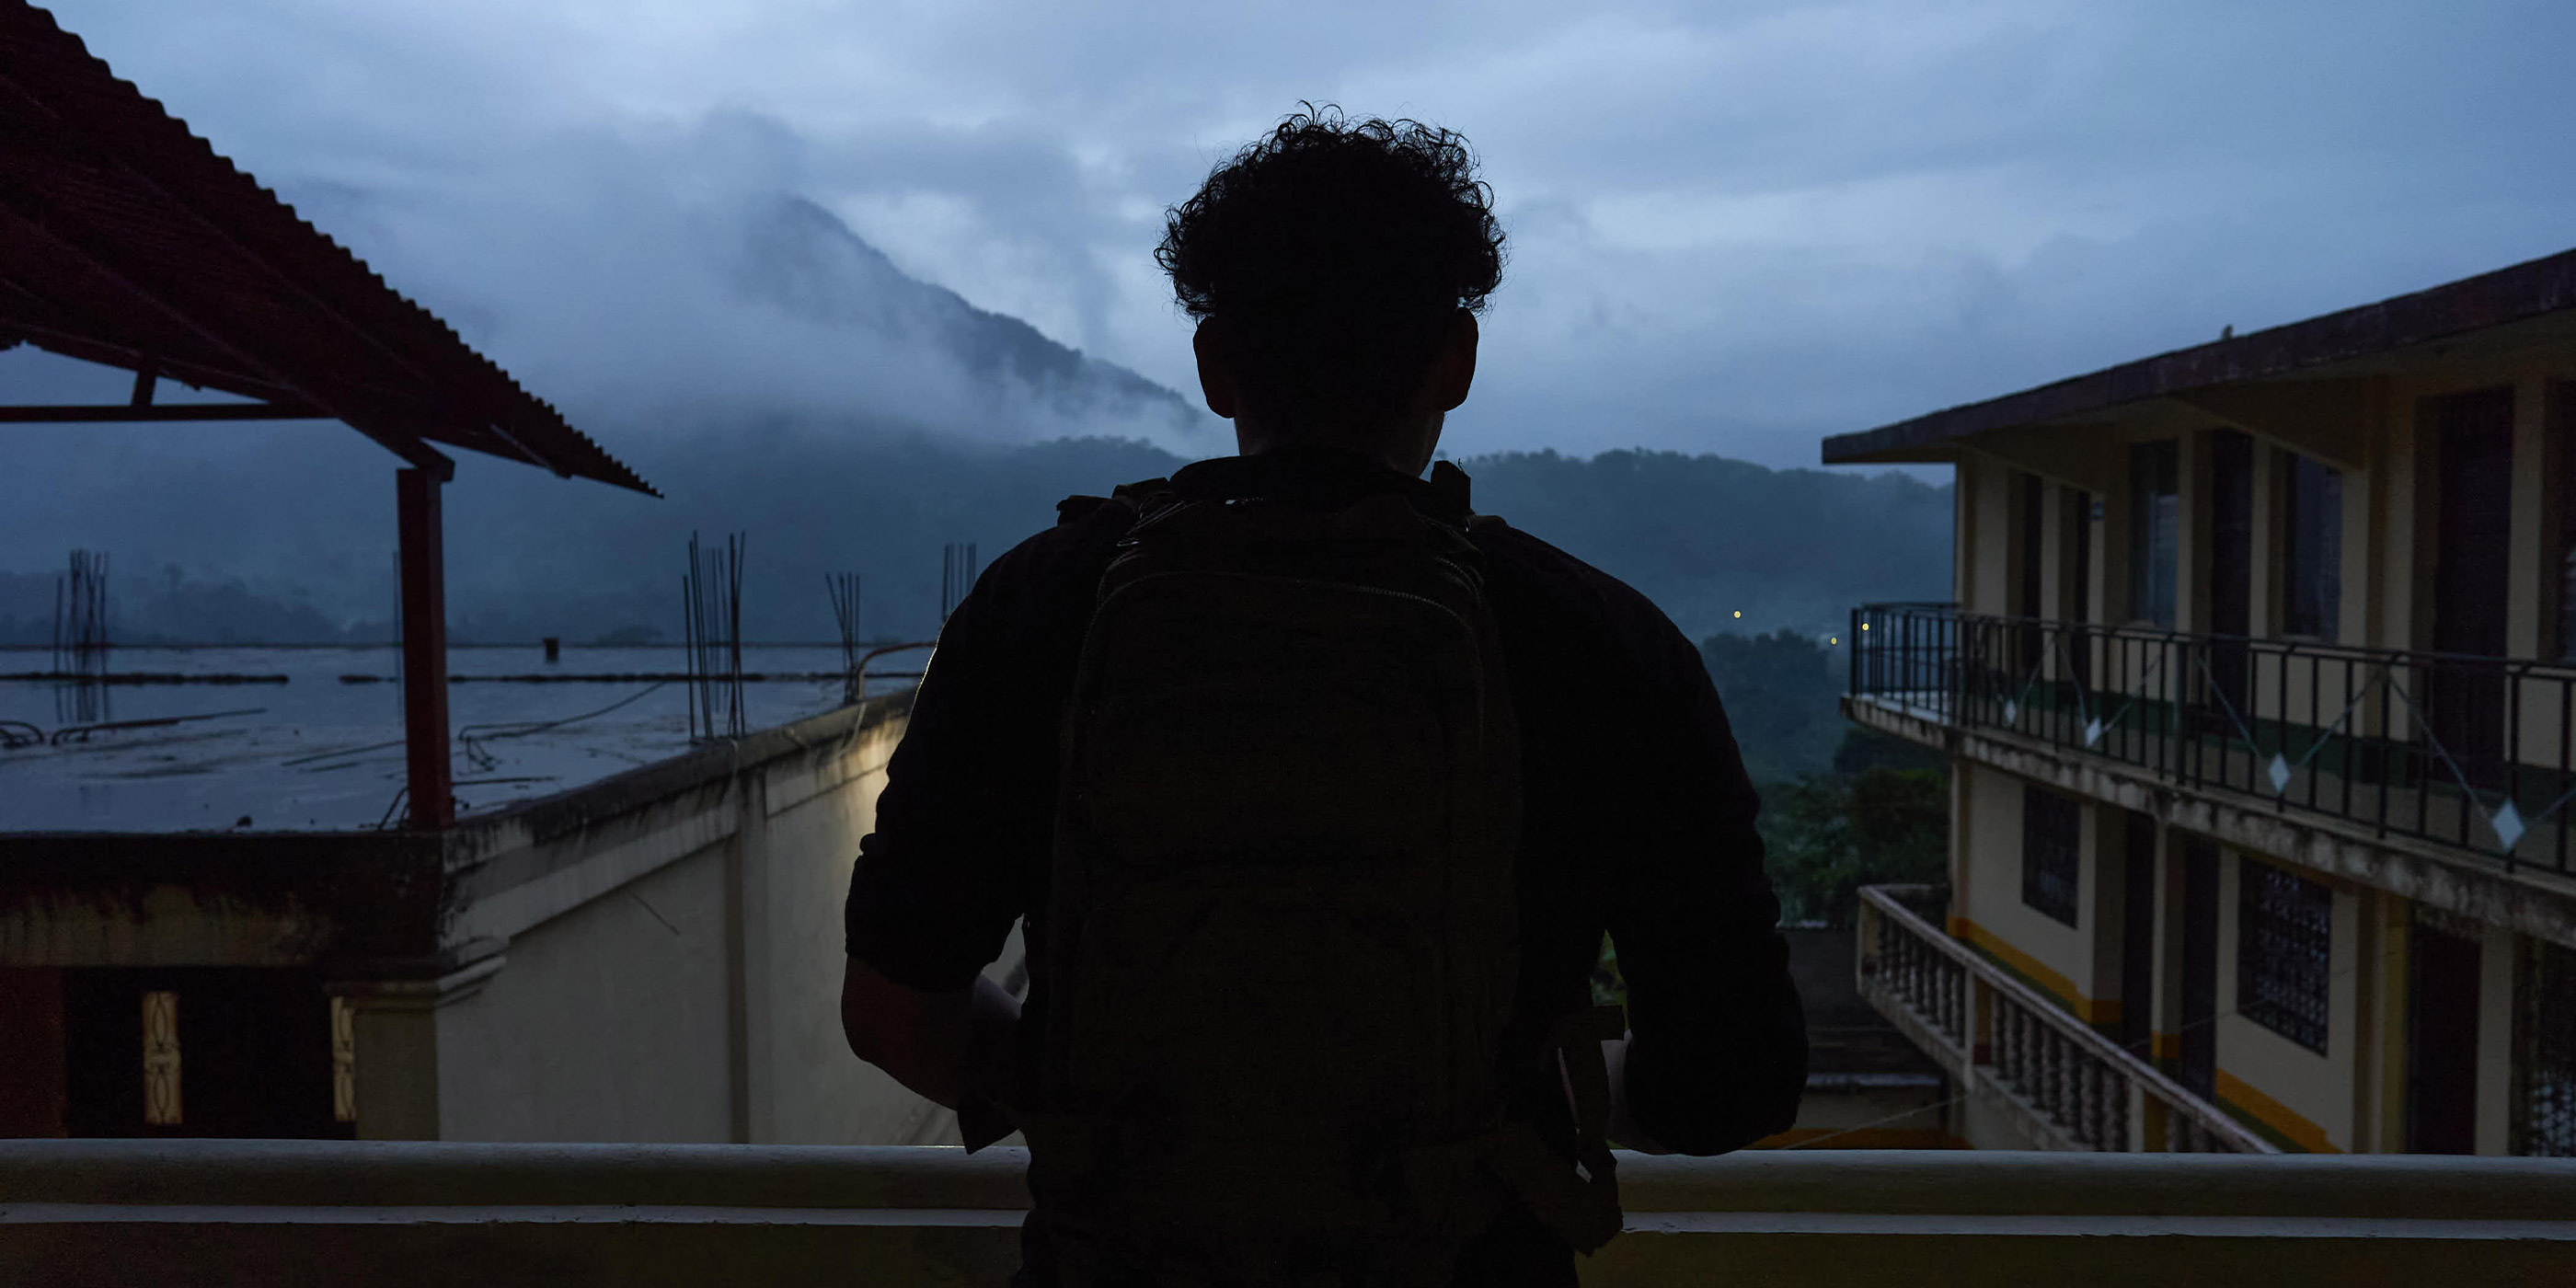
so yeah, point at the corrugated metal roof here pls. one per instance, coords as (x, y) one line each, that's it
(126, 239)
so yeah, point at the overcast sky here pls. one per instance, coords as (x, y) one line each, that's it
(1734, 227)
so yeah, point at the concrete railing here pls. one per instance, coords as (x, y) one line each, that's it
(2064, 1084)
(158, 1213)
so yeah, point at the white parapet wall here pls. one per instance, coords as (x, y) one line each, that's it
(291, 1213)
(654, 958)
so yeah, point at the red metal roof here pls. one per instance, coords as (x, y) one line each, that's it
(125, 239)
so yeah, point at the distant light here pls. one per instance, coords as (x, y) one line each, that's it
(1833, 639)
(1864, 626)
(1739, 612)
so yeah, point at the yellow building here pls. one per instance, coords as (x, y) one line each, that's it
(2259, 692)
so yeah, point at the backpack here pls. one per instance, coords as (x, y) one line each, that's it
(1280, 937)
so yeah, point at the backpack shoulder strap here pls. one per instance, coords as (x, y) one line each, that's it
(1135, 498)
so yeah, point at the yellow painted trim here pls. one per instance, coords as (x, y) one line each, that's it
(2089, 1010)
(2168, 1046)
(1863, 1138)
(2241, 1096)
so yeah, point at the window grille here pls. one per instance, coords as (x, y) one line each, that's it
(161, 1059)
(2284, 944)
(2544, 1067)
(2052, 843)
(344, 1061)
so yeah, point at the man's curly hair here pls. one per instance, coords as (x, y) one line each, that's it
(1335, 254)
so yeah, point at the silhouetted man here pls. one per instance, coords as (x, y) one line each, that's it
(1318, 793)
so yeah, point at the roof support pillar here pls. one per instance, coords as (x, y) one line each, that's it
(424, 648)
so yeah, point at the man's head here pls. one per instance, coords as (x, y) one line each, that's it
(1336, 268)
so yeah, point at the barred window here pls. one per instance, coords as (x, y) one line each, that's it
(2052, 843)
(2544, 1068)
(344, 1061)
(161, 1059)
(2284, 940)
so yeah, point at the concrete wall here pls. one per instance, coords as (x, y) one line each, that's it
(607, 1023)
(2304, 1096)
(2058, 959)
(2349, 1097)
(806, 1087)
(110, 1213)
(657, 958)
(1987, 490)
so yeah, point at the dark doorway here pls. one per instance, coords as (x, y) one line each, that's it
(2472, 542)
(2199, 1009)
(31, 1051)
(2155, 530)
(2442, 1043)
(2030, 644)
(2079, 589)
(2138, 934)
(2231, 572)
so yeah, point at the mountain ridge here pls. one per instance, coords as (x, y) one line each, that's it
(1705, 537)
(803, 259)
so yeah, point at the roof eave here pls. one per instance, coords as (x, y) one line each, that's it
(2508, 295)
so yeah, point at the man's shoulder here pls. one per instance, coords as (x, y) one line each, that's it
(1086, 530)
(1558, 584)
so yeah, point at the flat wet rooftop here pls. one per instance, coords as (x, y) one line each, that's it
(310, 738)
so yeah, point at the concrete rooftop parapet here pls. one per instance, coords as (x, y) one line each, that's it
(298, 1212)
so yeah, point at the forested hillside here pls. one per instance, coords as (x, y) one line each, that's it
(529, 555)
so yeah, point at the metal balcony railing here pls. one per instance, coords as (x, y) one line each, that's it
(2066, 1084)
(2471, 753)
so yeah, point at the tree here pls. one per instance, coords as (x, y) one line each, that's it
(1780, 691)
(1886, 821)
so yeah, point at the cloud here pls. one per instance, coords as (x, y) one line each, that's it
(1736, 227)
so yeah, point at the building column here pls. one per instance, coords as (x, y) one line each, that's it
(749, 1024)
(2496, 973)
(429, 782)
(396, 1021)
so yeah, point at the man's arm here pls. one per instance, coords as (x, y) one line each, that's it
(967, 810)
(931, 1042)
(1624, 1131)
(1718, 1056)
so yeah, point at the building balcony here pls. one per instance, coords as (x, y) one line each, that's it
(2427, 774)
(110, 1213)
(2014, 1054)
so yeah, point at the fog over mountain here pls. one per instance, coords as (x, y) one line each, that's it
(799, 257)
(775, 374)
(275, 543)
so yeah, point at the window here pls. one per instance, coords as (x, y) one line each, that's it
(2155, 530)
(2052, 844)
(2544, 1069)
(2284, 929)
(2312, 550)
(344, 1061)
(161, 1059)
